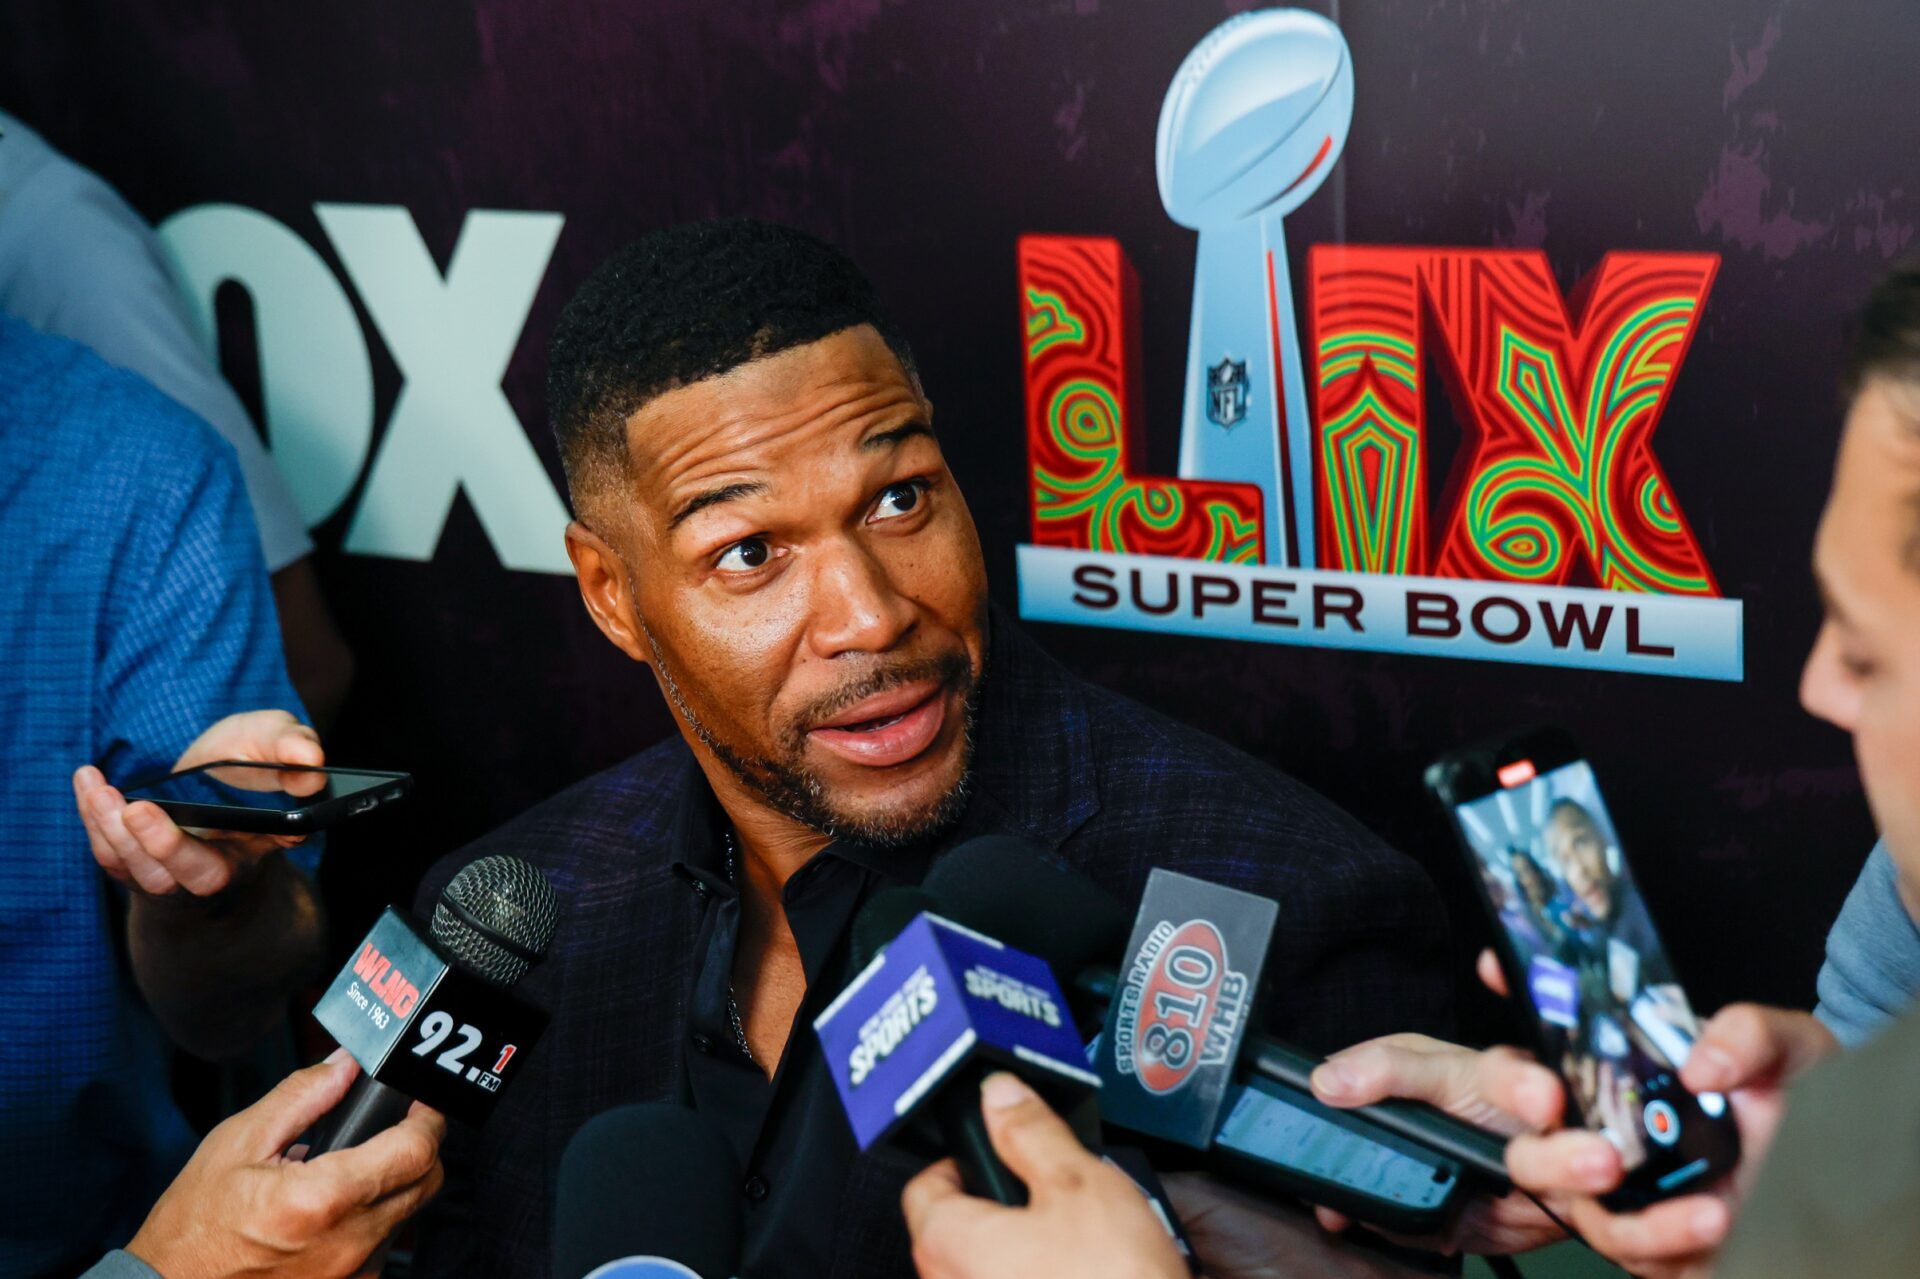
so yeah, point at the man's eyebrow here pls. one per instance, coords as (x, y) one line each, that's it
(713, 497)
(898, 435)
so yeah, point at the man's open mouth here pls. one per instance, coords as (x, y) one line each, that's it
(888, 728)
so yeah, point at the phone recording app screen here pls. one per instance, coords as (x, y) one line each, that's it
(1615, 1021)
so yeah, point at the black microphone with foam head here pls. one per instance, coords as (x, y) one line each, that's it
(882, 918)
(646, 1185)
(1010, 889)
(492, 924)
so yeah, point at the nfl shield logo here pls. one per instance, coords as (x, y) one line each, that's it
(1227, 392)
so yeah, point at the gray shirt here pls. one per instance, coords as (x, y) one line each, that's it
(1872, 972)
(1839, 1194)
(77, 261)
(122, 1265)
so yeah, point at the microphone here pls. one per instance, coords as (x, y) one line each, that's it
(644, 1191)
(884, 917)
(444, 996)
(1178, 1046)
(935, 1008)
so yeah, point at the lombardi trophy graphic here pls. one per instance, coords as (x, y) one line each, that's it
(1254, 121)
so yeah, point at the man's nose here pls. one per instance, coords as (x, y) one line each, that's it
(856, 606)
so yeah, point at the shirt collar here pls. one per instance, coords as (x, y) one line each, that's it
(698, 839)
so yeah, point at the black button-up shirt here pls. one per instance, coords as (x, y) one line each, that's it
(789, 1132)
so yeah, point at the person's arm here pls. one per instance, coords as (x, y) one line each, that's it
(1084, 1217)
(1238, 1234)
(245, 1206)
(100, 276)
(219, 927)
(1746, 1052)
(1872, 970)
(220, 931)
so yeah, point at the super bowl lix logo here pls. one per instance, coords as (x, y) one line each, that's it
(1302, 511)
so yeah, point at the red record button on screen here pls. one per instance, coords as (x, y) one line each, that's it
(1662, 1121)
(1518, 773)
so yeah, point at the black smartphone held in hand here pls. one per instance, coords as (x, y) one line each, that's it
(1575, 940)
(269, 799)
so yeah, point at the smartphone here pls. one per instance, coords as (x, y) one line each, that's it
(269, 799)
(1576, 940)
(1288, 1143)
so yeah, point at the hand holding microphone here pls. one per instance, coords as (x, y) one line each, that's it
(1181, 1056)
(242, 1207)
(911, 1038)
(1083, 1217)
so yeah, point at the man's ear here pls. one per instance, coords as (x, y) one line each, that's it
(606, 589)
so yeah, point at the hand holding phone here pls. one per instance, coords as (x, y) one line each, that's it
(269, 799)
(140, 844)
(1748, 1054)
(1577, 944)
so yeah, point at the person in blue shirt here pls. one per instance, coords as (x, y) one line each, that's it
(1872, 971)
(135, 618)
(77, 260)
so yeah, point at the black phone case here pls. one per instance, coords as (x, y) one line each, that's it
(263, 821)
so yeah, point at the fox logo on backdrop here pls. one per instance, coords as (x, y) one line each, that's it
(1304, 511)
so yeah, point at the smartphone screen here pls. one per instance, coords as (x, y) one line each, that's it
(258, 786)
(1297, 1133)
(1581, 947)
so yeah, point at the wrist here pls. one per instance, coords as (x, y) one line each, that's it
(156, 1256)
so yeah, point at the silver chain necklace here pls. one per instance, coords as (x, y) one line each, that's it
(733, 1004)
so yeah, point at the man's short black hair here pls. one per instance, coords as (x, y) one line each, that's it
(686, 303)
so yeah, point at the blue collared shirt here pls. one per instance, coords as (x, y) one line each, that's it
(76, 260)
(134, 611)
(1872, 973)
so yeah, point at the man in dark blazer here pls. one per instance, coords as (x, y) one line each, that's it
(765, 520)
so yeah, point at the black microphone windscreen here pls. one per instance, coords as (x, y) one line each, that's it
(1011, 891)
(652, 1180)
(881, 919)
(496, 918)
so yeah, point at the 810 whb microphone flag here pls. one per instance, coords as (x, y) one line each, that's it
(1181, 1005)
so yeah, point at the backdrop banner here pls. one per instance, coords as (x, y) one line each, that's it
(1346, 380)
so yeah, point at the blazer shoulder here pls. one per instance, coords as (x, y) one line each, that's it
(1149, 763)
(605, 831)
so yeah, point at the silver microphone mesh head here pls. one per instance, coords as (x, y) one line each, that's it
(496, 918)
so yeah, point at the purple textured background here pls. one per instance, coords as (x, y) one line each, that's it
(924, 137)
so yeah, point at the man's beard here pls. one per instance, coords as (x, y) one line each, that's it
(787, 784)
